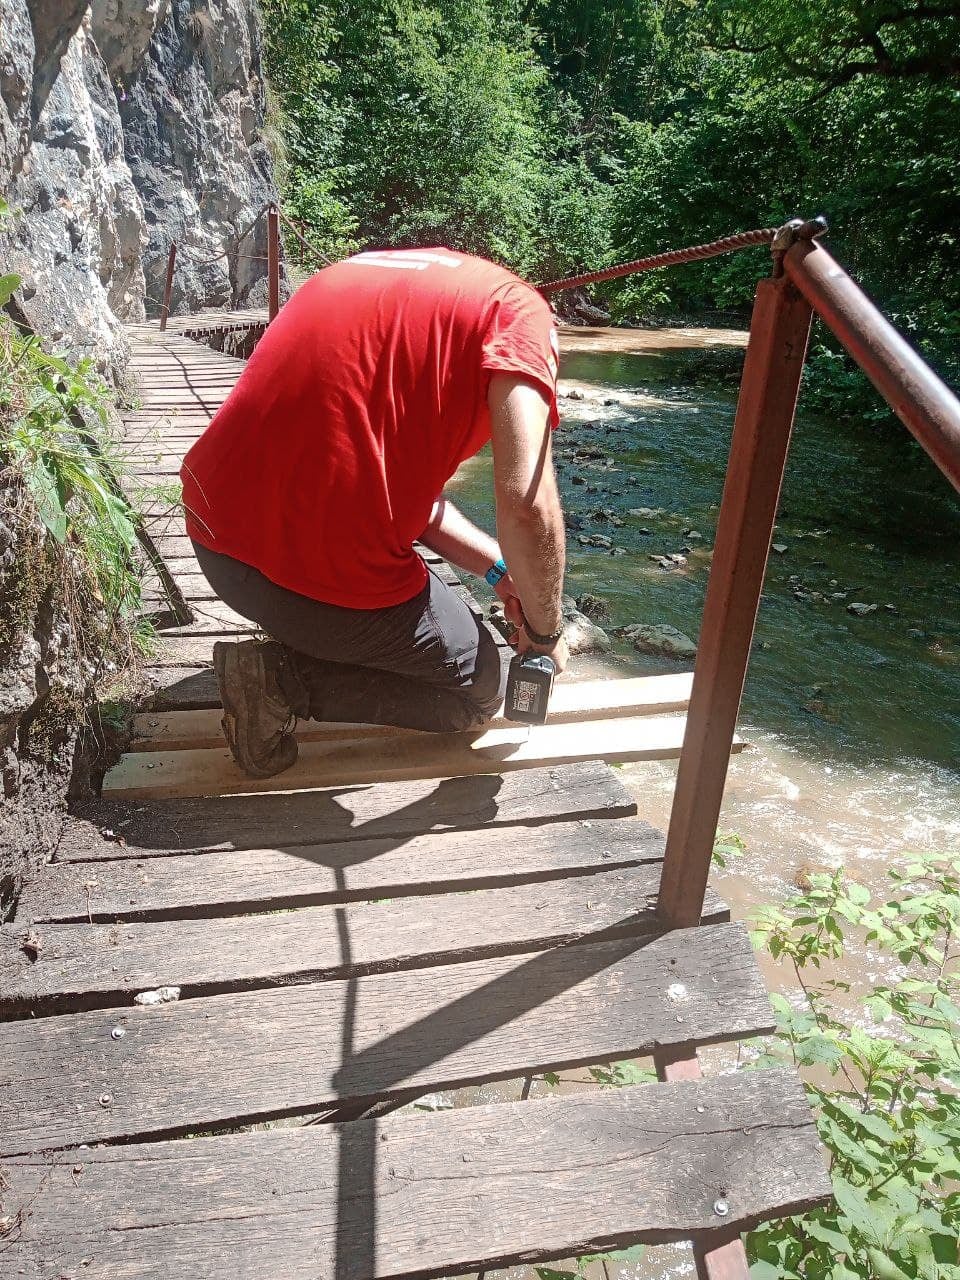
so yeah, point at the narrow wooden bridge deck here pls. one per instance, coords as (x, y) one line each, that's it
(402, 914)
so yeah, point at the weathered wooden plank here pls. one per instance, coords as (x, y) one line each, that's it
(410, 1195)
(415, 1196)
(264, 879)
(188, 650)
(82, 965)
(181, 686)
(282, 1051)
(401, 809)
(585, 700)
(213, 772)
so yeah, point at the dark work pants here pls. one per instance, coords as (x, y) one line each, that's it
(428, 663)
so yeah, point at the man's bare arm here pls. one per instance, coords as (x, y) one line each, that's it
(458, 539)
(529, 514)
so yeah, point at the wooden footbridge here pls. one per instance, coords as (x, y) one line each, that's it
(222, 997)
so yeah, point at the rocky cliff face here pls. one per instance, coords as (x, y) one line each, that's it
(125, 124)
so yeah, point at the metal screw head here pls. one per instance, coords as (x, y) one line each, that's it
(721, 1208)
(117, 1033)
(105, 1099)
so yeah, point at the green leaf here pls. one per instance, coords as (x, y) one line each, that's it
(9, 284)
(884, 1268)
(46, 492)
(873, 1219)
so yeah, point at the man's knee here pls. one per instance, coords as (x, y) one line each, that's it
(485, 690)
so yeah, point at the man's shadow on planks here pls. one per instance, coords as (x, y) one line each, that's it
(381, 1068)
(318, 827)
(301, 822)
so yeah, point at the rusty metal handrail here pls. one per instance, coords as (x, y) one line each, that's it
(273, 261)
(922, 402)
(806, 280)
(669, 258)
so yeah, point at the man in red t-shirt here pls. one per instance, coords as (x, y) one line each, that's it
(306, 493)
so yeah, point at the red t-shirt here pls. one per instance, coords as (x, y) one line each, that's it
(360, 401)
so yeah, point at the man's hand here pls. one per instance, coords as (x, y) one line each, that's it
(506, 589)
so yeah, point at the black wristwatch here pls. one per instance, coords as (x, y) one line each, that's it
(544, 641)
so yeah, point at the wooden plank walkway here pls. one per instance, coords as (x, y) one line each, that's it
(317, 954)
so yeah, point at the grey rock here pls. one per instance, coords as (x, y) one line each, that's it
(594, 607)
(860, 609)
(584, 636)
(660, 638)
(126, 124)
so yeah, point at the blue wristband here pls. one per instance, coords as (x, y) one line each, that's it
(496, 571)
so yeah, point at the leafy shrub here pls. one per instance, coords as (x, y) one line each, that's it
(891, 1120)
(56, 461)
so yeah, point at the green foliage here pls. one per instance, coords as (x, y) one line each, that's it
(617, 1074)
(886, 1097)
(54, 444)
(633, 1254)
(558, 137)
(726, 846)
(413, 123)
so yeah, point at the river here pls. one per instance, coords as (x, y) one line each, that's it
(853, 722)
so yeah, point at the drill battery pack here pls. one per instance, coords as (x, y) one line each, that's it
(529, 685)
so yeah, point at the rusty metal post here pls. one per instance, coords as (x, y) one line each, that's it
(273, 260)
(167, 288)
(779, 332)
(927, 407)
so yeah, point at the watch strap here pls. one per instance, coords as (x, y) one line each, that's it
(496, 571)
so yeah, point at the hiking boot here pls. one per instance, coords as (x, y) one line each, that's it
(257, 719)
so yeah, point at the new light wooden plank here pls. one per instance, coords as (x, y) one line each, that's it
(268, 878)
(409, 1195)
(586, 790)
(325, 763)
(282, 1051)
(585, 700)
(229, 954)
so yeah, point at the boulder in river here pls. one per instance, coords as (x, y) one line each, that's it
(658, 638)
(584, 636)
(860, 609)
(594, 607)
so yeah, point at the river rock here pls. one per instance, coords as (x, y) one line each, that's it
(584, 636)
(594, 607)
(658, 638)
(860, 609)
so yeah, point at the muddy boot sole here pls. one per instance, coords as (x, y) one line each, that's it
(237, 667)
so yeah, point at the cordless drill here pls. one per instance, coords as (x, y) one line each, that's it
(529, 685)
